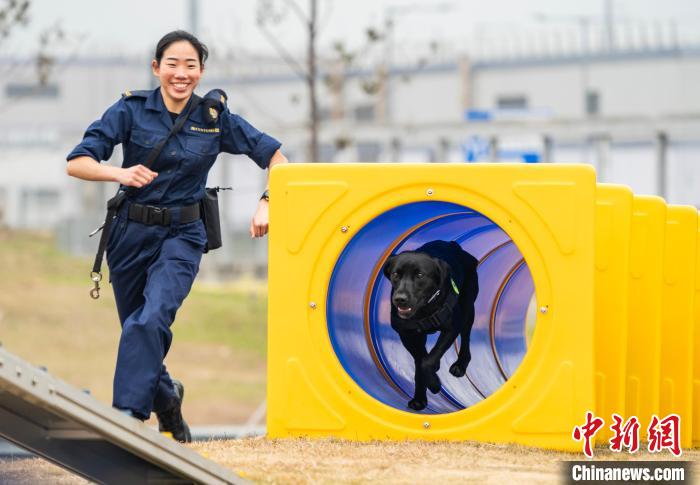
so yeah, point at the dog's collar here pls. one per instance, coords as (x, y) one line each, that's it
(437, 292)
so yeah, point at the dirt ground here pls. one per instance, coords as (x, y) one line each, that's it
(306, 461)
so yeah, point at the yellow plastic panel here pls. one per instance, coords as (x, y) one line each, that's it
(547, 210)
(644, 324)
(677, 319)
(612, 242)
(696, 339)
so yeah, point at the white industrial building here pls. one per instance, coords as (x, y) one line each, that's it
(632, 112)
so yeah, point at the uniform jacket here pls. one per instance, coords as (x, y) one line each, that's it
(140, 119)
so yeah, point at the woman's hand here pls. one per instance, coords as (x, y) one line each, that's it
(86, 168)
(136, 176)
(261, 219)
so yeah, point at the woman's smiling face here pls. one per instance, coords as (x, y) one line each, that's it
(179, 72)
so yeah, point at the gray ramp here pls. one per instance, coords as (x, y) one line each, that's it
(72, 429)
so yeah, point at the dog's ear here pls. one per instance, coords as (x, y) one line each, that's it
(389, 266)
(444, 269)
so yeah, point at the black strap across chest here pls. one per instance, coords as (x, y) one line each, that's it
(115, 203)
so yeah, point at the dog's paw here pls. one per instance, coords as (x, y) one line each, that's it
(432, 382)
(417, 404)
(458, 370)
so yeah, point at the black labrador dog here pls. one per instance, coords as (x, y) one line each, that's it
(433, 289)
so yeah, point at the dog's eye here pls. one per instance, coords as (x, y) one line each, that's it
(419, 275)
(394, 274)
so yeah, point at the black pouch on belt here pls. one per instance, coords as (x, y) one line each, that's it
(210, 217)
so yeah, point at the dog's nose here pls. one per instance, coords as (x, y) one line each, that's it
(400, 300)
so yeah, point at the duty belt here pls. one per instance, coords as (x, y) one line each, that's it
(162, 216)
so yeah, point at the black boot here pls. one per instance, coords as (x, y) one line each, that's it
(171, 421)
(131, 414)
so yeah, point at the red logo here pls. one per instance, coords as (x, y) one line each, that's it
(588, 431)
(625, 436)
(662, 434)
(665, 434)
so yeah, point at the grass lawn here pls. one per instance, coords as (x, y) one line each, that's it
(48, 318)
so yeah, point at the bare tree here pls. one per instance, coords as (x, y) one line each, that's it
(45, 61)
(273, 13)
(313, 100)
(12, 14)
(16, 13)
(374, 78)
(268, 14)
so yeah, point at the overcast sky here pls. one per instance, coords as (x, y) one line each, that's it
(133, 27)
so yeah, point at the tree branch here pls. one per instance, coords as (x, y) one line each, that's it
(284, 54)
(298, 11)
(327, 14)
(12, 14)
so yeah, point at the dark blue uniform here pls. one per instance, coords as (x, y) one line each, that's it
(152, 267)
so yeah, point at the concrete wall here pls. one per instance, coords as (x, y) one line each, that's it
(644, 87)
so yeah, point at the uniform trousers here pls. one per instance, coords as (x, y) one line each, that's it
(152, 269)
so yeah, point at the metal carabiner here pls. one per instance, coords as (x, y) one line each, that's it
(96, 230)
(96, 278)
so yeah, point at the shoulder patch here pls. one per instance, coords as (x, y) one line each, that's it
(213, 104)
(136, 94)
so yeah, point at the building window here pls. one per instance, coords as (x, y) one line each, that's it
(38, 207)
(365, 112)
(512, 102)
(368, 151)
(16, 90)
(592, 103)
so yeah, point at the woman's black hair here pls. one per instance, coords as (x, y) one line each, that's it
(176, 36)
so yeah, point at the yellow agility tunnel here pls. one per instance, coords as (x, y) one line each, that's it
(586, 303)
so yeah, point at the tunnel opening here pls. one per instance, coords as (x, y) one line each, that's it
(358, 306)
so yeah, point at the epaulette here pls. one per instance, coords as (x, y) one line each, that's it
(142, 93)
(213, 105)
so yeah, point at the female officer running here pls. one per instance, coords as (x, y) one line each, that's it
(154, 260)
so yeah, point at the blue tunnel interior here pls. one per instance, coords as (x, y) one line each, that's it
(358, 306)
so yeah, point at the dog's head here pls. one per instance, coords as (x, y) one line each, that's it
(415, 277)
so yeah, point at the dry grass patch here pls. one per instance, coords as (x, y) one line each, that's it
(305, 461)
(35, 471)
(336, 461)
(48, 318)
